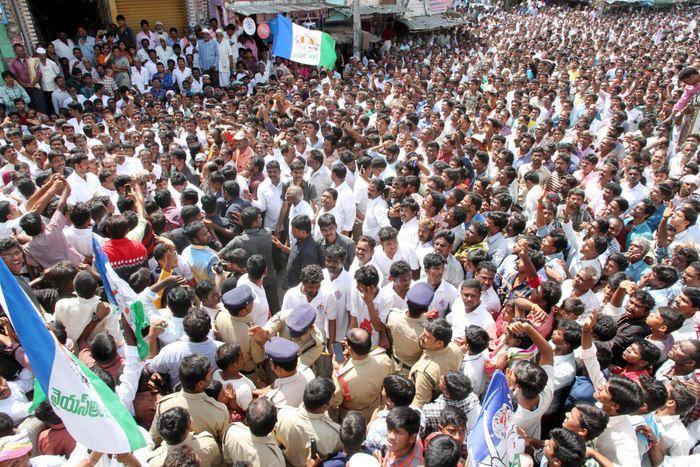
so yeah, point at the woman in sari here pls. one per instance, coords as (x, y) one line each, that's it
(120, 66)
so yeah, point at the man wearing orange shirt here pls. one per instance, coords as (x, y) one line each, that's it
(243, 152)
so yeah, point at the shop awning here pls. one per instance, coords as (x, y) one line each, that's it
(256, 8)
(433, 22)
(343, 35)
(368, 10)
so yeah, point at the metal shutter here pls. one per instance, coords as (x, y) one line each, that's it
(169, 12)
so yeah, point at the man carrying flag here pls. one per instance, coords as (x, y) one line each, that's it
(122, 298)
(93, 414)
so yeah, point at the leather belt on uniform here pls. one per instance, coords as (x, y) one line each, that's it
(403, 365)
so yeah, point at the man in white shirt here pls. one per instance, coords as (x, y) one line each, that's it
(181, 72)
(443, 241)
(269, 199)
(319, 298)
(485, 273)
(376, 211)
(565, 339)
(676, 437)
(581, 287)
(469, 311)
(476, 342)
(339, 282)
(632, 189)
(80, 234)
(257, 269)
(619, 440)
(83, 183)
(63, 46)
(445, 293)
(294, 197)
(532, 383)
(329, 205)
(408, 233)
(390, 251)
(318, 174)
(140, 76)
(346, 198)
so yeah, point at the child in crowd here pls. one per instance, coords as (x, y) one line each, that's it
(511, 348)
(476, 341)
(453, 423)
(229, 359)
(641, 357)
(663, 322)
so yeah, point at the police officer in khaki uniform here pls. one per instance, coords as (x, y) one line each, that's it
(406, 326)
(288, 388)
(233, 327)
(254, 443)
(174, 426)
(358, 381)
(440, 355)
(206, 413)
(298, 326)
(296, 426)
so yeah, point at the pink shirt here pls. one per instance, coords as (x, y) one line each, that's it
(688, 93)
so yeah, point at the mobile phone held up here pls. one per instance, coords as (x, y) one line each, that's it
(338, 353)
(314, 448)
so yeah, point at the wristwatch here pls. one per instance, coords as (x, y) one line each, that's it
(95, 319)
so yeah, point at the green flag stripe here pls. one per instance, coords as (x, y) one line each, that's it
(109, 399)
(39, 396)
(140, 322)
(328, 55)
(116, 409)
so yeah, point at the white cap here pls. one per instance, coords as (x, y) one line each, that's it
(219, 31)
(206, 31)
(240, 135)
(200, 157)
(41, 50)
(691, 179)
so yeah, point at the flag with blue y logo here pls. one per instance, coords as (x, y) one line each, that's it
(93, 414)
(493, 439)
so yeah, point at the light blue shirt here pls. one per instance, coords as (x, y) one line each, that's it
(208, 55)
(87, 48)
(637, 270)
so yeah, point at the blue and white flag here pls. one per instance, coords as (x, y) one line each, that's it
(90, 411)
(493, 440)
(121, 297)
(302, 45)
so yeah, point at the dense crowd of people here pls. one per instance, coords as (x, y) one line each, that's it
(334, 263)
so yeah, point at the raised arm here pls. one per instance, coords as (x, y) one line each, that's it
(545, 351)
(589, 357)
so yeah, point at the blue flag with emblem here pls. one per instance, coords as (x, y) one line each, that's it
(91, 412)
(493, 439)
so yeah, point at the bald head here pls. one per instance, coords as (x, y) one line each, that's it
(359, 341)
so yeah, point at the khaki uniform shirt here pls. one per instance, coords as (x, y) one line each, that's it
(310, 344)
(241, 445)
(295, 428)
(363, 383)
(206, 413)
(203, 444)
(234, 329)
(405, 332)
(429, 368)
